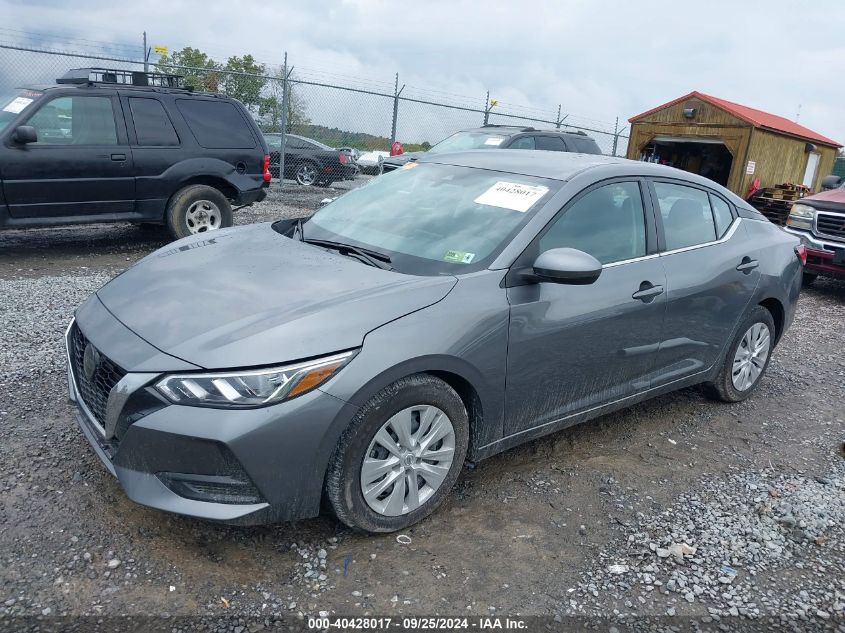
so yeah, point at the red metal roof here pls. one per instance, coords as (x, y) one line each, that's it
(755, 117)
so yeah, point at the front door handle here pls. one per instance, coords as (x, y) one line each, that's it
(647, 292)
(118, 157)
(747, 265)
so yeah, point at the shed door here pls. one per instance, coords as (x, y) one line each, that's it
(810, 172)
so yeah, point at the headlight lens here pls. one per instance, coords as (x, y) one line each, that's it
(253, 388)
(801, 216)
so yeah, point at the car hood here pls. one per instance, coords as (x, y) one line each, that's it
(249, 296)
(830, 198)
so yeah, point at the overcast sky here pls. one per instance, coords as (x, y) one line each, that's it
(598, 59)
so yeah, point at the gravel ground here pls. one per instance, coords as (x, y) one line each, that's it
(681, 510)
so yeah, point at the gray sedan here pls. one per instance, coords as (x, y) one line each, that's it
(445, 312)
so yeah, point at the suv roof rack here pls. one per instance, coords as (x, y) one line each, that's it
(80, 76)
(525, 129)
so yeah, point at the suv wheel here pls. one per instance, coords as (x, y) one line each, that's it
(747, 358)
(197, 209)
(306, 174)
(400, 456)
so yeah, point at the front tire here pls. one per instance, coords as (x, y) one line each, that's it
(197, 209)
(747, 359)
(400, 456)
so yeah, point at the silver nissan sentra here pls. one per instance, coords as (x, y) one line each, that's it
(444, 312)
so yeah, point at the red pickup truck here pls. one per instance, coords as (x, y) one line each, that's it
(819, 221)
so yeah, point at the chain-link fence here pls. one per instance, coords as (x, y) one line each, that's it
(338, 111)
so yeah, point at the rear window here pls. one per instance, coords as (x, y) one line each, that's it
(152, 125)
(216, 124)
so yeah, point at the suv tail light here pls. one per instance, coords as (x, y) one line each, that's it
(267, 175)
(801, 252)
(344, 159)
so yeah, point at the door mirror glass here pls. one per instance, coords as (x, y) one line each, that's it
(25, 134)
(831, 182)
(567, 266)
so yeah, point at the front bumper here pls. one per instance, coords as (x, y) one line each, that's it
(820, 254)
(169, 457)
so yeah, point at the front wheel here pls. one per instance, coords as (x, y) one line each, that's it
(197, 209)
(747, 358)
(400, 455)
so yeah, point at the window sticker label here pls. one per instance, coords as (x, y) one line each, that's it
(458, 257)
(494, 140)
(16, 105)
(512, 195)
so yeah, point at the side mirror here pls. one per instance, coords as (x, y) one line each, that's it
(25, 134)
(831, 182)
(567, 266)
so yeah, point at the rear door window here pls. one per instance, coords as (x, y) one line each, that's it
(152, 125)
(687, 217)
(550, 143)
(722, 214)
(216, 124)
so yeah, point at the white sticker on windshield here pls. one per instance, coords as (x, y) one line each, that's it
(494, 140)
(512, 195)
(17, 104)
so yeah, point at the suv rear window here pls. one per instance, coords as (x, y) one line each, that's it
(152, 125)
(216, 124)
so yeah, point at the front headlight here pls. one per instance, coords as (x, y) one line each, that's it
(801, 216)
(253, 388)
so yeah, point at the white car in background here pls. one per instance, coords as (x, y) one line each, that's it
(370, 162)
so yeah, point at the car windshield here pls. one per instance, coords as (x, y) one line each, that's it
(273, 141)
(433, 219)
(13, 103)
(468, 140)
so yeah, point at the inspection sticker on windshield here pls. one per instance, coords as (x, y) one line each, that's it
(458, 257)
(494, 140)
(512, 195)
(17, 104)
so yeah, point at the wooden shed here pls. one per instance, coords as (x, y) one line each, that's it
(731, 143)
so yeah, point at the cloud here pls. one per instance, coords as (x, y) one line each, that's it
(599, 60)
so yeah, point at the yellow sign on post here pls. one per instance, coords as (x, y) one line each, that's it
(160, 50)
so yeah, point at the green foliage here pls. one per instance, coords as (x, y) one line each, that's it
(244, 80)
(202, 72)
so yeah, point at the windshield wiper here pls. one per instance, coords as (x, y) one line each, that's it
(298, 229)
(371, 257)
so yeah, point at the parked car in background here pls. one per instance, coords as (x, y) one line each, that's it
(502, 137)
(819, 221)
(125, 146)
(310, 162)
(453, 310)
(370, 162)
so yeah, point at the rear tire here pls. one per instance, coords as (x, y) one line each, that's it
(306, 174)
(808, 279)
(197, 209)
(747, 359)
(437, 431)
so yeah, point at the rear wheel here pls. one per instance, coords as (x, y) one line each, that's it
(747, 358)
(808, 279)
(197, 209)
(400, 456)
(306, 174)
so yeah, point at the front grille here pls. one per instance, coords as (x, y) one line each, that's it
(829, 224)
(95, 390)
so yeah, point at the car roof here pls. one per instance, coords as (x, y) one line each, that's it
(510, 130)
(127, 87)
(566, 165)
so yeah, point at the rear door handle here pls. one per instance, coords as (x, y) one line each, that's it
(647, 292)
(118, 157)
(747, 265)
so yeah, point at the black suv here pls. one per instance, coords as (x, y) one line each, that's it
(503, 137)
(121, 146)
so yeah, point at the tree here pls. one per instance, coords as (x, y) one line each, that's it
(198, 70)
(270, 108)
(244, 80)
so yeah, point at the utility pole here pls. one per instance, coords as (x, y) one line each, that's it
(396, 92)
(146, 54)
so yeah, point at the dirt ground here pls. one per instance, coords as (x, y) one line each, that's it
(529, 532)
